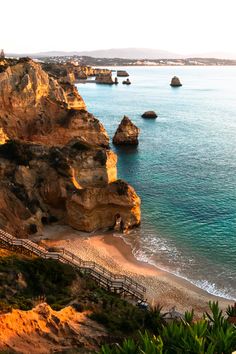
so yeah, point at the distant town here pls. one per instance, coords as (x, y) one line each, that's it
(91, 61)
(82, 60)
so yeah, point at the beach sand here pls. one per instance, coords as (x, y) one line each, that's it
(115, 255)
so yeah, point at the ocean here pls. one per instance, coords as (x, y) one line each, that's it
(184, 168)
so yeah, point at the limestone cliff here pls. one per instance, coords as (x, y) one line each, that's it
(43, 330)
(55, 162)
(70, 72)
(35, 107)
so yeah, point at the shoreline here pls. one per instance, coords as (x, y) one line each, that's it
(113, 253)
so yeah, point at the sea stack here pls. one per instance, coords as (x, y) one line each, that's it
(126, 82)
(175, 82)
(104, 79)
(127, 133)
(149, 114)
(122, 73)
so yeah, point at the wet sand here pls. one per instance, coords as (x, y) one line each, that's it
(115, 255)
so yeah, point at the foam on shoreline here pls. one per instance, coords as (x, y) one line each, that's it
(116, 255)
(205, 285)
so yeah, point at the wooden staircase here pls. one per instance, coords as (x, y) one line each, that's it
(120, 284)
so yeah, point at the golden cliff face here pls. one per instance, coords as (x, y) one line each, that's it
(49, 331)
(54, 159)
(94, 208)
(71, 73)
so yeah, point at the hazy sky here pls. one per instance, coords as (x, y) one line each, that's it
(181, 26)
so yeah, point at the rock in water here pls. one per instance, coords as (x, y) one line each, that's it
(122, 73)
(175, 82)
(104, 79)
(127, 133)
(149, 114)
(126, 82)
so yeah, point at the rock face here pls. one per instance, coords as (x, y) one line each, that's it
(127, 133)
(122, 73)
(47, 331)
(149, 114)
(104, 79)
(70, 72)
(54, 159)
(175, 82)
(86, 209)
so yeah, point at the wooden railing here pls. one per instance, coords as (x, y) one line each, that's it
(106, 279)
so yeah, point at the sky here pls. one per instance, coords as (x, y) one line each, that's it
(179, 26)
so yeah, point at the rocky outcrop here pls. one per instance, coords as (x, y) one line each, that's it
(127, 133)
(76, 184)
(45, 331)
(175, 82)
(70, 72)
(35, 107)
(104, 79)
(93, 208)
(55, 162)
(122, 73)
(149, 114)
(126, 82)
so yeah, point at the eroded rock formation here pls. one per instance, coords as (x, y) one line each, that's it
(122, 73)
(55, 162)
(175, 82)
(126, 82)
(127, 133)
(104, 79)
(71, 73)
(149, 114)
(44, 330)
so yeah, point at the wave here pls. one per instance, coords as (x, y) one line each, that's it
(203, 284)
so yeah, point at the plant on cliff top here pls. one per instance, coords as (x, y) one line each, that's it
(211, 335)
(231, 310)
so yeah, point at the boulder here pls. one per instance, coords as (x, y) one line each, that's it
(149, 114)
(175, 82)
(126, 82)
(127, 133)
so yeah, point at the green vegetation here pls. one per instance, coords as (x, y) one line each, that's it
(231, 310)
(24, 281)
(212, 334)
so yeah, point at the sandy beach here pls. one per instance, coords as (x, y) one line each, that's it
(114, 254)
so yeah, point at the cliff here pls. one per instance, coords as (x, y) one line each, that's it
(104, 79)
(69, 72)
(55, 162)
(44, 331)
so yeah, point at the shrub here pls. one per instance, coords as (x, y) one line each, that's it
(211, 335)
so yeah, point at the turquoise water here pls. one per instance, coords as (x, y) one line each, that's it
(184, 168)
